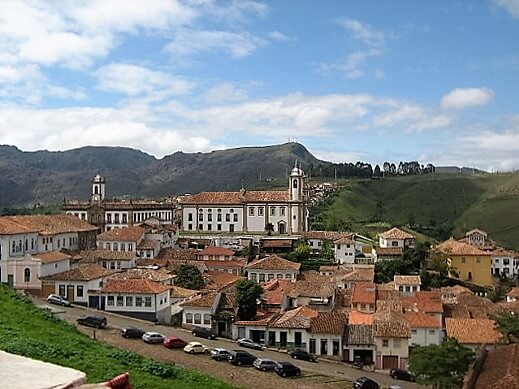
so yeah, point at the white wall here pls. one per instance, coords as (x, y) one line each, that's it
(224, 211)
(194, 311)
(257, 274)
(87, 285)
(133, 308)
(425, 336)
(345, 253)
(391, 242)
(48, 269)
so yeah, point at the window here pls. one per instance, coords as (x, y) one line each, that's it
(125, 218)
(210, 217)
(109, 218)
(394, 243)
(462, 259)
(62, 290)
(219, 227)
(413, 332)
(112, 265)
(26, 247)
(59, 243)
(260, 211)
(32, 244)
(147, 302)
(227, 217)
(272, 211)
(478, 260)
(27, 275)
(270, 277)
(116, 247)
(251, 211)
(432, 332)
(198, 318)
(129, 301)
(235, 217)
(189, 317)
(294, 184)
(219, 217)
(497, 260)
(116, 218)
(190, 217)
(282, 211)
(209, 227)
(120, 301)
(79, 291)
(207, 319)
(190, 226)
(200, 227)
(200, 217)
(138, 301)
(506, 262)
(130, 247)
(110, 300)
(385, 342)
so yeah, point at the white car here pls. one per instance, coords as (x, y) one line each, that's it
(196, 348)
(57, 299)
(153, 337)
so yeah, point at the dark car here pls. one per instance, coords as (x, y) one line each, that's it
(132, 333)
(203, 333)
(304, 355)
(92, 321)
(286, 369)
(220, 354)
(239, 357)
(402, 374)
(174, 342)
(247, 343)
(365, 383)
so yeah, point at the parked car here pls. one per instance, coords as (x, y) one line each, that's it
(220, 354)
(58, 300)
(286, 369)
(240, 357)
(302, 354)
(153, 337)
(203, 332)
(174, 342)
(401, 374)
(249, 344)
(92, 321)
(365, 383)
(264, 364)
(132, 333)
(196, 348)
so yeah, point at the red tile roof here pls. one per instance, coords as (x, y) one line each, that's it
(275, 290)
(231, 264)
(326, 235)
(273, 262)
(125, 234)
(108, 255)
(422, 320)
(407, 280)
(52, 256)
(396, 234)
(356, 317)
(157, 275)
(178, 292)
(364, 293)
(500, 369)
(82, 273)
(276, 243)
(472, 331)
(204, 300)
(514, 293)
(423, 301)
(344, 240)
(216, 279)
(389, 321)
(177, 254)
(237, 198)
(148, 244)
(133, 286)
(453, 247)
(296, 318)
(216, 250)
(44, 224)
(389, 251)
(329, 323)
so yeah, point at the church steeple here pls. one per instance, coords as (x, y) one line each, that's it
(98, 189)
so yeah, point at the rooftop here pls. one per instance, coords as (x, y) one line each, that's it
(296, 318)
(327, 235)
(454, 247)
(237, 198)
(94, 256)
(356, 317)
(157, 275)
(276, 243)
(364, 293)
(396, 234)
(389, 251)
(423, 301)
(133, 286)
(83, 273)
(273, 262)
(43, 224)
(204, 300)
(51, 257)
(125, 234)
(329, 323)
(407, 280)
(216, 279)
(472, 331)
(359, 334)
(422, 320)
(216, 250)
(500, 369)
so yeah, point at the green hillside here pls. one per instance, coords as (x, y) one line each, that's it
(29, 331)
(437, 205)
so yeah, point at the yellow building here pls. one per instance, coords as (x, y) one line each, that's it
(469, 262)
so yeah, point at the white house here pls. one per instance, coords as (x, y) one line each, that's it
(344, 250)
(215, 253)
(425, 329)
(505, 263)
(317, 239)
(142, 299)
(111, 260)
(197, 311)
(249, 211)
(395, 237)
(121, 239)
(407, 285)
(272, 267)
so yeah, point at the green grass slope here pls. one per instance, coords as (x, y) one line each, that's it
(29, 331)
(436, 205)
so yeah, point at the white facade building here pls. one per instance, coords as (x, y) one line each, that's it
(504, 263)
(344, 251)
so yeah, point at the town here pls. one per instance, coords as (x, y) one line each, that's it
(246, 269)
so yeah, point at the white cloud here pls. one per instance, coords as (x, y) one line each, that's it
(363, 32)
(411, 118)
(279, 36)
(460, 98)
(135, 80)
(337, 156)
(236, 44)
(510, 6)
(223, 93)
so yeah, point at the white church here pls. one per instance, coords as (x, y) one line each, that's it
(284, 212)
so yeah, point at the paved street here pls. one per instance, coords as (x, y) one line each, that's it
(315, 375)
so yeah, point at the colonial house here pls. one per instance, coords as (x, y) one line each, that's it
(468, 262)
(358, 338)
(235, 266)
(387, 253)
(111, 260)
(344, 250)
(407, 285)
(326, 333)
(395, 237)
(276, 246)
(272, 267)
(109, 214)
(142, 299)
(364, 297)
(391, 333)
(504, 262)
(77, 285)
(275, 295)
(249, 211)
(121, 239)
(473, 333)
(317, 239)
(425, 329)
(425, 302)
(215, 253)
(160, 275)
(477, 237)
(148, 248)
(316, 292)
(346, 276)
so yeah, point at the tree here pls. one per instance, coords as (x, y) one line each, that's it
(247, 296)
(441, 366)
(327, 250)
(377, 172)
(508, 325)
(302, 251)
(189, 277)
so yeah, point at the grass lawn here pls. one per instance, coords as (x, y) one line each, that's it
(29, 331)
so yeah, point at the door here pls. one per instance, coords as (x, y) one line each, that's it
(283, 339)
(93, 301)
(70, 293)
(231, 227)
(281, 228)
(324, 347)
(272, 338)
(336, 347)
(312, 346)
(10, 280)
(297, 339)
(389, 362)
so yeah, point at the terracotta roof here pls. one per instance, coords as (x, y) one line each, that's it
(422, 320)
(470, 306)
(148, 244)
(326, 235)
(232, 264)
(407, 280)
(44, 224)
(453, 247)
(94, 256)
(296, 318)
(389, 251)
(396, 233)
(51, 256)
(358, 275)
(237, 198)
(423, 301)
(359, 334)
(276, 243)
(216, 250)
(502, 252)
(317, 288)
(261, 319)
(500, 369)
(133, 286)
(356, 317)
(178, 292)
(159, 275)
(344, 240)
(204, 300)
(177, 254)
(472, 331)
(82, 273)
(125, 234)
(514, 293)
(216, 279)
(329, 323)
(275, 290)
(364, 293)
(273, 262)
(389, 321)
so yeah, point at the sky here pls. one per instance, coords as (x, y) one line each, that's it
(434, 81)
